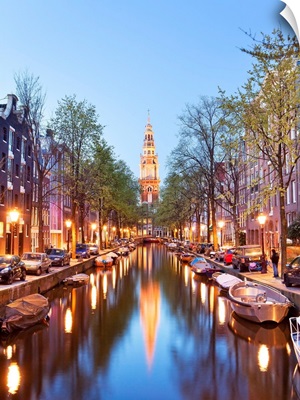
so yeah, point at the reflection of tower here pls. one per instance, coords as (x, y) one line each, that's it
(149, 168)
(149, 314)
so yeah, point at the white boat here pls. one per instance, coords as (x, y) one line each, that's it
(258, 303)
(77, 279)
(225, 281)
(25, 312)
(295, 336)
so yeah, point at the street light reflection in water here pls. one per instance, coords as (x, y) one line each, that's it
(147, 329)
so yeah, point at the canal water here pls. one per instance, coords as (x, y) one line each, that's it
(147, 329)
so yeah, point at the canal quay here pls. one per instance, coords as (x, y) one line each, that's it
(148, 329)
(42, 284)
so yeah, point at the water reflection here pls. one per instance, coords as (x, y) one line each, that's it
(147, 329)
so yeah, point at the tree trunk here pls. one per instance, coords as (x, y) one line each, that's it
(283, 235)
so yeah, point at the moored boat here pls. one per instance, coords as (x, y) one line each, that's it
(186, 257)
(201, 267)
(114, 256)
(77, 279)
(123, 251)
(258, 303)
(104, 261)
(295, 336)
(25, 312)
(225, 281)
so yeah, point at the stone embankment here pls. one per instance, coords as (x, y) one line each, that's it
(43, 283)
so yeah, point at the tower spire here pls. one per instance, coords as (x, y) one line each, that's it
(149, 167)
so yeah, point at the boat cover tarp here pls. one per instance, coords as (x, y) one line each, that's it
(25, 312)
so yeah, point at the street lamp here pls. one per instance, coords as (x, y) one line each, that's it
(68, 225)
(14, 217)
(221, 226)
(262, 220)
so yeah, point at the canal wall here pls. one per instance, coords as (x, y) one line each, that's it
(43, 283)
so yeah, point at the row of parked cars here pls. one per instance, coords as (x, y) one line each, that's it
(242, 257)
(14, 267)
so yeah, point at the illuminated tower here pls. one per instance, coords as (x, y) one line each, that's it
(149, 168)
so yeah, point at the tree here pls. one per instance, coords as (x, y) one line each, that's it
(202, 127)
(44, 148)
(76, 126)
(174, 208)
(267, 109)
(294, 230)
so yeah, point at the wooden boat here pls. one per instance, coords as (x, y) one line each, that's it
(295, 336)
(104, 261)
(25, 312)
(77, 279)
(258, 303)
(225, 281)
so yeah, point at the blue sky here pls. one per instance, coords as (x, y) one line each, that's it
(128, 56)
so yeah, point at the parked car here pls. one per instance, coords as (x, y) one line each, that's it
(11, 268)
(291, 274)
(58, 257)
(94, 249)
(246, 255)
(83, 250)
(219, 255)
(228, 256)
(36, 263)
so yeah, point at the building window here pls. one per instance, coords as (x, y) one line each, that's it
(3, 162)
(27, 201)
(2, 195)
(18, 144)
(16, 200)
(4, 134)
(28, 174)
(288, 197)
(11, 140)
(29, 151)
(17, 170)
(293, 191)
(9, 169)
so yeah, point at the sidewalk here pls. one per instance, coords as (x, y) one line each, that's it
(292, 293)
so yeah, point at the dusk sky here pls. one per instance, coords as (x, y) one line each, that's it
(129, 56)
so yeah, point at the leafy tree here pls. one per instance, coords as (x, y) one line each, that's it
(267, 109)
(44, 149)
(174, 209)
(202, 127)
(76, 126)
(293, 231)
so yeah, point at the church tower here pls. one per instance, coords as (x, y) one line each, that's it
(149, 168)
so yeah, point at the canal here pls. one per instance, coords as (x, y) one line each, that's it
(147, 330)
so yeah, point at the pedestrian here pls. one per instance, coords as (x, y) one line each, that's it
(275, 259)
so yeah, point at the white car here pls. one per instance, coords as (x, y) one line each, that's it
(36, 263)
